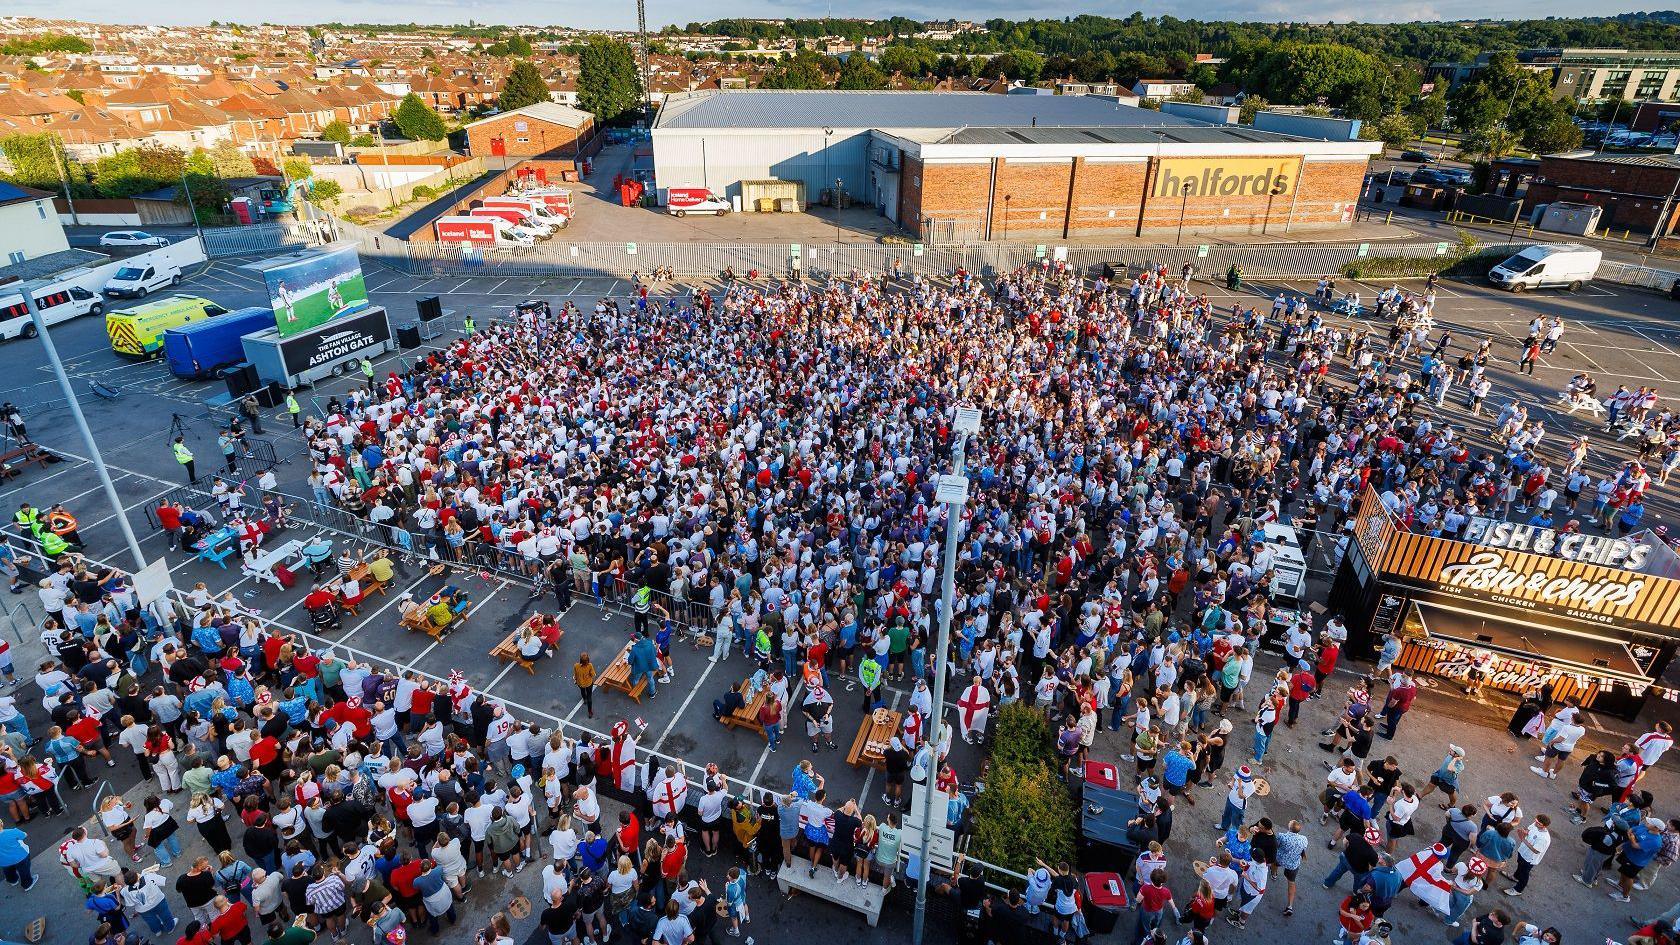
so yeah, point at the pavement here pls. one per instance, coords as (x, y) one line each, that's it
(1621, 334)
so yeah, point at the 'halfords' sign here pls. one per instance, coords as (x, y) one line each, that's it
(335, 340)
(1227, 177)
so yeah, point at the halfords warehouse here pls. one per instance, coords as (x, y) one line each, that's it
(977, 165)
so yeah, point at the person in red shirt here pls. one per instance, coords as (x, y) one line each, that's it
(1203, 908)
(232, 923)
(1328, 653)
(86, 730)
(1153, 898)
(196, 933)
(1302, 686)
(1356, 918)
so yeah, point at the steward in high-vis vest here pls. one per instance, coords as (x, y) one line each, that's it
(294, 409)
(185, 458)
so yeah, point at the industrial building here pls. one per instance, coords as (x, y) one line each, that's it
(1590, 74)
(972, 166)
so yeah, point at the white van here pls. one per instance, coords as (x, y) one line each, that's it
(1570, 265)
(134, 281)
(59, 304)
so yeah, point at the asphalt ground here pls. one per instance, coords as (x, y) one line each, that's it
(1617, 333)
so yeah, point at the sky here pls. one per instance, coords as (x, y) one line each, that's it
(621, 14)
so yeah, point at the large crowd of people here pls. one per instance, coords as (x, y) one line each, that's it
(760, 464)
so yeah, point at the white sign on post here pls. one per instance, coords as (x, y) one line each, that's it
(152, 582)
(952, 490)
(968, 420)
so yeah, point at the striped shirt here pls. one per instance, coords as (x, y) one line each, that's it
(326, 895)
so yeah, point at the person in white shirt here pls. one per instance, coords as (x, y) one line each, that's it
(1535, 840)
(1221, 879)
(477, 820)
(1559, 741)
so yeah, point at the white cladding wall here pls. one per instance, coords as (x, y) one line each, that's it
(720, 160)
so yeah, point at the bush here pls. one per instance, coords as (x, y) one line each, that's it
(1468, 257)
(424, 192)
(1025, 813)
(1021, 737)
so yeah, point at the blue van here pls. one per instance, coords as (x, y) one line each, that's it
(197, 351)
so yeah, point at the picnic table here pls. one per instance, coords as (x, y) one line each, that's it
(261, 566)
(507, 651)
(419, 621)
(874, 737)
(217, 546)
(617, 676)
(747, 716)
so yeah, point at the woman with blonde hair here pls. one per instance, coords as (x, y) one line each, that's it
(621, 886)
(116, 814)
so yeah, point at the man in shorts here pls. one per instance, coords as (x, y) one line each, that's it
(1559, 741)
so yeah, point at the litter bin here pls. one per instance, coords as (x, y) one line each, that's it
(408, 336)
(1674, 289)
(1105, 896)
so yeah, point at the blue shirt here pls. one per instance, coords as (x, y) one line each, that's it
(14, 846)
(1177, 768)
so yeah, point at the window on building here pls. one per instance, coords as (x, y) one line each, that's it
(16, 257)
(41, 208)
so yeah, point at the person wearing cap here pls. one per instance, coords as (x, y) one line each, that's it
(1242, 787)
(1644, 842)
(1359, 857)
(1446, 776)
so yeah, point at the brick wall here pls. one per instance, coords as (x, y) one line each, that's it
(1075, 197)
(1108, 198)
(543, 139)
(1632, 195)
(957, 192)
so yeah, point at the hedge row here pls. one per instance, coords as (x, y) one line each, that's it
(1026, 813)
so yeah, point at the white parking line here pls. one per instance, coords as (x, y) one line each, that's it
(365, 621)
(682, 710)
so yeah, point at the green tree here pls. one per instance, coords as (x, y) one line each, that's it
(1394, 131)
(800, 72)
(419, 121)
(297, 169)
(1025, 813)
(524, 86)
(138, 170)
(609, 83)
(1429, 110)
(363, 140)
(907, 60)
(229, 161)
(324, 191)
(1252, 105)
(336, 131)
(1551, 135)
(209, 195)
(35, 161)
(56, 42)
(859, 74)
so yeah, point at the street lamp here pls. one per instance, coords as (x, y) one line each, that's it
(953, 493)
(1183, 206)
(827, 133)
(81, 423)
(1006, 216)
(186, 192)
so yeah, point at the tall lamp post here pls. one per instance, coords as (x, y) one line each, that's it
(953, 493)
(1183, 206)
(81, 425)
(827, 133)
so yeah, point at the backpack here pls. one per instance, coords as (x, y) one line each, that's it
(285, 576)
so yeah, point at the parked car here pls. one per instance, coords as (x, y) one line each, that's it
(1457, 176)
(132, 238)
(1421, 157)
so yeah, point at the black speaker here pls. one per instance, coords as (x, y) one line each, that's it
(1674, 290)
(431, 308)
(241, 379)
(270, 394)
(408, 336)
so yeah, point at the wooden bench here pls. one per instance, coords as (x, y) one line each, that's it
(617, 676)
(418, 621)
(27, 453)
(747, 716)
(507, 651)
(866, 899)
(869, 748)
(363, 575)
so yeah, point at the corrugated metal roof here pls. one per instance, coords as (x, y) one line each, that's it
(1637, 160)
(887, 111)
(1200, 134)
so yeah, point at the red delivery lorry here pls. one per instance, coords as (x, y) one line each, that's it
(682, 201)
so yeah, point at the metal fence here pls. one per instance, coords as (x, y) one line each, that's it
(261, 238)
(561, 259)
(1644, 276)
